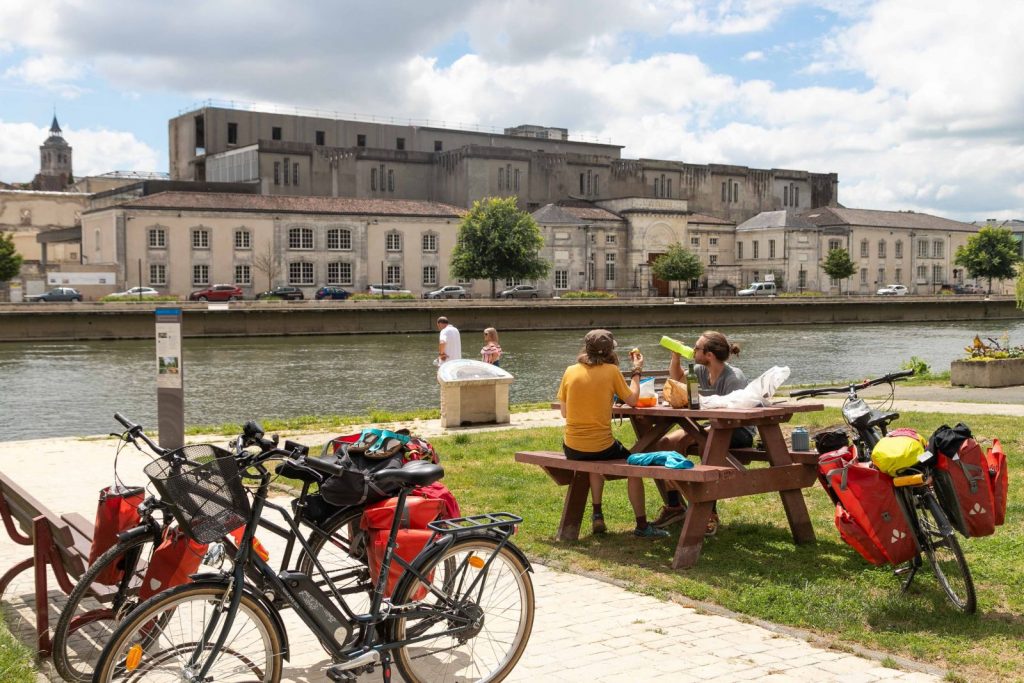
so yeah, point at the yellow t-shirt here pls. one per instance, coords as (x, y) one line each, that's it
(586, 392)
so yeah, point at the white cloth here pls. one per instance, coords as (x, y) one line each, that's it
(452, 341)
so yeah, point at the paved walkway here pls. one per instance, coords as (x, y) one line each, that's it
(621, 636)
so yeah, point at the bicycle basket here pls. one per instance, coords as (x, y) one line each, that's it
(205, 491)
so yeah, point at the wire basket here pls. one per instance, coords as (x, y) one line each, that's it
(205, 490)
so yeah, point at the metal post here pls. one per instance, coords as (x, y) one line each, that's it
(140, 279)
(382, 280)
(170, 392)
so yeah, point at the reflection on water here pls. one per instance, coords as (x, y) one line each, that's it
(60, 389)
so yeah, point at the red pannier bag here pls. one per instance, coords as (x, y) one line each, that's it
(870, 499)
(857, 538)
(440, 492)
(172, 563)
(962, 484)
(116, 511)
(834, 460)
(413, 535)
(998, 479)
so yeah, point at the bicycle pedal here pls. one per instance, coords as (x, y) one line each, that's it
(366, 658)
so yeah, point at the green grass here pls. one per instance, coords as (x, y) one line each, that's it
(17, 664)
(752, 565)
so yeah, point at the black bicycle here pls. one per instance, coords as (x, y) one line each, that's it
(95, 608)
(935, 535)
(462, 611)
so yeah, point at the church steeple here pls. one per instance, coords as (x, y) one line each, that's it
(55, 127)
(54, 161)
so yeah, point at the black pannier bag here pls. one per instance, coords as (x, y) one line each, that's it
(376, 450)
(829, 440)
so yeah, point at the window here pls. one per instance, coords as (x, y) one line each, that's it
(429, 242)
(922, 248)
(275, 133)
(399, 143)
(668, 188)
(723, 192)
(695, 241)
(898, 251)
(713, 260)
(583, 182)
(899, 275)
(713, 241)
(771, 248)
(739, 250)
(802, 279)
(157, 238)
(157, 274)
(243, 239)
(360, 140)
(339, 273)
(609, 239)
(393, 241)
(863, 276)
(295, 174)
(287, 165)
(513, 282)
(300, 273)
(277, 172)
(881, 249)
(834, 244)
(243, 275)
(863, 248)
(201, 274)
(656, 188)
(785, 195)
(430, 275)
(597, 184)
(508, 176)
(501, 179)
(922, 273)
(755, 250)
(373, 180)
(300, 238)
(321, 139)
(937, 275)
(796, 196)
(339, 238)
(609, 268)
(937, 249)
(515, 183)
(561, 279)
(391, 180)
(232, 133)
(438, 145)
(200, 239)
(393, 275)
(881, 277)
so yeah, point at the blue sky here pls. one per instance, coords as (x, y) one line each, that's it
(914, 103)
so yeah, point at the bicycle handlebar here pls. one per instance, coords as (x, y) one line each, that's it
(884, 379)
(134, 431)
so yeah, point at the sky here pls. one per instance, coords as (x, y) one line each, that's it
(915, 104)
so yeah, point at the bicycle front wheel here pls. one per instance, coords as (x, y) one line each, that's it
(94, 608)
(939, 543)
(479, 630)
(165, 639)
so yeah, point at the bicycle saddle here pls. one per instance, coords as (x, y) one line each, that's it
(876, 418)
(415, 473)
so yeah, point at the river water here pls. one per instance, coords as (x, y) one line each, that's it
(73, 388)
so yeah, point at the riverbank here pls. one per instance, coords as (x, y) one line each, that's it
(98, 321)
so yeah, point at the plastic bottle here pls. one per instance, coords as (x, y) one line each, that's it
(677, 346)
(801, 439)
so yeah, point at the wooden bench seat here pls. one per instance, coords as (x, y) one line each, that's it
(60, 542)
(560, 468)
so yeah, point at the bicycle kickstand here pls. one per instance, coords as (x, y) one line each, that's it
(910, 569)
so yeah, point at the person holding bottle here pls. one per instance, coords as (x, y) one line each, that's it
(585, 395)
(491, 352)
(715, 377)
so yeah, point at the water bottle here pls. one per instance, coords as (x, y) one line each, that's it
(677, 346)
(692, 387)
(801, 439)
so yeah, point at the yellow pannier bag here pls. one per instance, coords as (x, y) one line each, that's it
(899, 449)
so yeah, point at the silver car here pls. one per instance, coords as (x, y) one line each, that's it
(519, 292)
(448, 292)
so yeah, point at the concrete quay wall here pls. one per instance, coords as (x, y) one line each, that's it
(85, 321)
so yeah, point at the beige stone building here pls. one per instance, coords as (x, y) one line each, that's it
(916, 250)
(31, 216)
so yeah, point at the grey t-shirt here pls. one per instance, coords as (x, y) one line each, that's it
(729, 381)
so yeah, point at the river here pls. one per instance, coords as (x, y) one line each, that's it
(73, 388)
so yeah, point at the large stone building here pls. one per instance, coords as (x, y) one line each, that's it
(310, 155)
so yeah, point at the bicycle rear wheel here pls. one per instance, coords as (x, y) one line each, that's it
(938, 540)
(477, 632)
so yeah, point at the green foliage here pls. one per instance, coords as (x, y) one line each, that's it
(497, 241)
(10, 260)
(918, 365)
(378, 297)
(677, 264)
(1020, 291)
(991, 254)
(838, 265)
(800, 294)
(587, 295)
(16, 660)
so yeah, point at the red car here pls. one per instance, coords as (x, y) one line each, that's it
(217, 293)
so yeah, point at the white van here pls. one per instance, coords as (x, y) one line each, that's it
(758, 289)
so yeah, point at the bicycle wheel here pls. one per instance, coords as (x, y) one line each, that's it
(477, 632)
(93, 609)
(163, 640)
(943, 550)
(340, 547)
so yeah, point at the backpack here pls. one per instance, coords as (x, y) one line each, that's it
(371, 451)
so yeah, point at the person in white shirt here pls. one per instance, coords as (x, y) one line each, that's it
(449, 346)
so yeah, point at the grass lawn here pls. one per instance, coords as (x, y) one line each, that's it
(753, 567)
(16, 660)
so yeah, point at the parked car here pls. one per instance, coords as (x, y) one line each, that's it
(387, 289)
(56, 294)
(892, 290)
(332, 293)
(282, 292)
(758, 289)
(519, 292)
(135, 292)
(217, 293)
(448, 292)
(968, 289)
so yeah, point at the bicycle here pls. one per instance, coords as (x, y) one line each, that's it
(463, 609)
(914, 487)
(94, 609)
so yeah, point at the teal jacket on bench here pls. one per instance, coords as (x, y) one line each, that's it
(667, 458)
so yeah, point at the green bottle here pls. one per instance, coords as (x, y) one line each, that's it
(677, 346)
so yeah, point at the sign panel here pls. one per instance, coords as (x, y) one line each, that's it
(61, 279)
(170, 393)
(168, 355)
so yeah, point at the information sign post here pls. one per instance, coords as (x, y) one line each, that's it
(170, 394)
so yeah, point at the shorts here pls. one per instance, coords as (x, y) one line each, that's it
(614, 452)
(741, 438)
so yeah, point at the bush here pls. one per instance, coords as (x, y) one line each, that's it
(377, 297)
(800, 294)
(998, 350)
(918, 365)
(587, 295)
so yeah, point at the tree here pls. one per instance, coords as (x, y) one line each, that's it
(10, 260)
(838, 266)
(677, 264)
(496, 241)
(268, 263)
(992, 253)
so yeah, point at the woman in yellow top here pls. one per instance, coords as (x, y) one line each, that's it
(586, 395)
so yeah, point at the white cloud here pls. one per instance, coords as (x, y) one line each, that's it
(753, 56)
